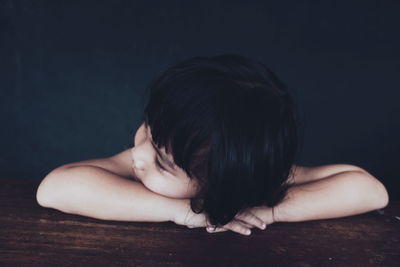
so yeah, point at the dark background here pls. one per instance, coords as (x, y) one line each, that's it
(73, 73)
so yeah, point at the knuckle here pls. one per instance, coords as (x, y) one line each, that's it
(251, 219)
(239, 228)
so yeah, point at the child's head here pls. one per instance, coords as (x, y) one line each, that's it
(230, 125)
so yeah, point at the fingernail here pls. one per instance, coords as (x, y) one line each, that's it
(263, 226)
(248, 232)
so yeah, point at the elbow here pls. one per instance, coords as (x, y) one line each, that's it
(380, 195)
(383, 198)
(46, 191)
(43, 193)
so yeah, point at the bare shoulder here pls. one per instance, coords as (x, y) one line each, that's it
(305, 174)
(123, 162)
(119, 164)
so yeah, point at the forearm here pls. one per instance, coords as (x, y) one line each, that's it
(340, 195)
(94, 192)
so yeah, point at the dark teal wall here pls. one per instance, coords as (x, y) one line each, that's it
(72, 73)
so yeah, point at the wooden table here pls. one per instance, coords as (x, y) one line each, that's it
(31, 235)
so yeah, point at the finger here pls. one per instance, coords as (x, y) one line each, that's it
(250, 218)
(238, 227)
(218, 229)
(246, 224)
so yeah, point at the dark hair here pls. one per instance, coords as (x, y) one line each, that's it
(230, 123)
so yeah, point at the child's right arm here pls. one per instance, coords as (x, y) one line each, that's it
(104, 188)
(95, 192)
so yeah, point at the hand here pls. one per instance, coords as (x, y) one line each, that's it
(242, 222)
(245, 220)
(265, 213)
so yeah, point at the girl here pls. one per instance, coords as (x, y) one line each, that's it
(216, 149)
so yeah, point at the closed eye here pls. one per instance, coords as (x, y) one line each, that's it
(158, 164)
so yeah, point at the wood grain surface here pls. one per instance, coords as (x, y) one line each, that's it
(31, 235)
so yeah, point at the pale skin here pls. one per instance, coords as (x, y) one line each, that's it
(320, 192)
(171, 181)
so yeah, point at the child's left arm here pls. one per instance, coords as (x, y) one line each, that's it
(342, 194)
(338, 195)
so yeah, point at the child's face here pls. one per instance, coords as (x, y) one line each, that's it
(172, 183)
